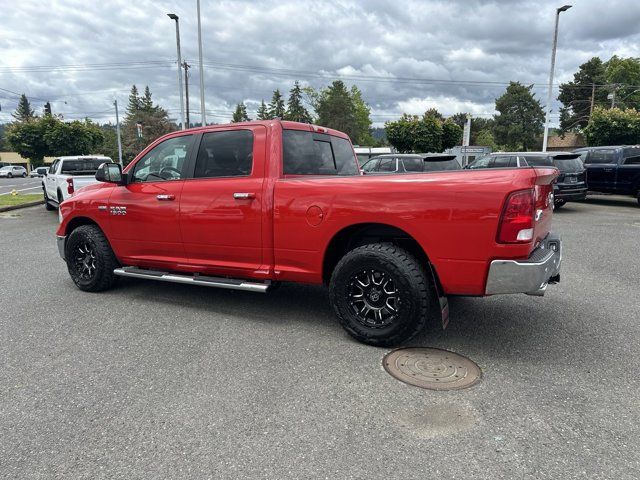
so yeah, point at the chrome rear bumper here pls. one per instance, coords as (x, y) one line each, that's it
(531, 276)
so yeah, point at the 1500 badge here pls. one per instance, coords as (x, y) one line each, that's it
(118, 210)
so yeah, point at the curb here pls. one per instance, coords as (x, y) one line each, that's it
(22, 205)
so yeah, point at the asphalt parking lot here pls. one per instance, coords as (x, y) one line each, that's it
(21, 185)
(156, 380)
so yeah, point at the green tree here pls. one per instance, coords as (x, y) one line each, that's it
(613, 127)
(520, 120)
(263, 113)
(50, 136)
(109, 146)
(401, 133)
(434, 113)
(363, 118)
(153, 119)
(485, 139)
(276, 107)
(623, 74)
(73, 138)
(576, 95)
(47, 109)
(24, 112)
(295, 109)
(428, 135)
(335, 109)
(451, 134)
(240, 114)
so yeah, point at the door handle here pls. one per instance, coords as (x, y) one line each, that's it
(165, 198)
(244, 196)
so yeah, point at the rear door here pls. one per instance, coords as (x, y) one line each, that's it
(221, 209)
(628, 174)
(601, 167)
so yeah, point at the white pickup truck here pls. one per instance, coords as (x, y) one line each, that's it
(68, 175)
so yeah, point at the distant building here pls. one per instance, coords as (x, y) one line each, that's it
(567, 142)
(466, 155)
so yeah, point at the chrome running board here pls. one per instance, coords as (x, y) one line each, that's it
(196, 279)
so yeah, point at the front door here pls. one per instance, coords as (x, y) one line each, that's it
(144, 214)
(222, 202)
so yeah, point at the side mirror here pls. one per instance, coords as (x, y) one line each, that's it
(110, 173)
(45, 173)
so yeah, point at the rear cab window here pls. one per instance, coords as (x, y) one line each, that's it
(82, 166)
(602, 156)
(631, 156)
(310, 153)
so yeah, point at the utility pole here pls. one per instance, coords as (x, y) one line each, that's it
(115, 102)
(613, 97)
(186, 91)
(553, 66)
(593, 98)
(202, 115)
(175, 17)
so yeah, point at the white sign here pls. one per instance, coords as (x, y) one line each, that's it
(466, 134)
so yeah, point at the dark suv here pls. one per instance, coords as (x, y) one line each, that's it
(411, 163)
(612, 169)
(571, 183)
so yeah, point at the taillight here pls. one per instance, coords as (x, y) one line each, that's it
(70, 186)
(516, 223)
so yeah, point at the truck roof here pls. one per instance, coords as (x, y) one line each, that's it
(286, 125)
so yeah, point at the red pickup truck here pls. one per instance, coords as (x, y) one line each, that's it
(248, 205)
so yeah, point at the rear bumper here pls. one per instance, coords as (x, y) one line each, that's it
(531, 276)
(569, 193)
(61, 240)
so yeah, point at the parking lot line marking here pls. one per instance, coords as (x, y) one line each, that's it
(21, 190)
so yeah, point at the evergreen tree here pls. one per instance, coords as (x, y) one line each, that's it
(240, 115)
(146, 104)
(134, 102)
(24, 112)
(362, 134)
(335, 109)
(295, 110)
(153, 118)
(263, 114)
(276, 106)
(576, 95)
(520, 119)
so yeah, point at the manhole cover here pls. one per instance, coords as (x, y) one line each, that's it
(431, 368)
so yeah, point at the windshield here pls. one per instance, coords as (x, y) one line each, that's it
(568, 164)
(83, 165)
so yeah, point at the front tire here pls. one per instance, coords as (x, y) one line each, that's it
(90, 259)
(9, 175)
(559, 203)
(24, 175)
(47, 205)
(380, 294)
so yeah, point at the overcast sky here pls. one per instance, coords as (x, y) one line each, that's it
(253, 47)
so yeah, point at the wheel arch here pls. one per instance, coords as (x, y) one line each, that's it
(359, 234)
(78, 222)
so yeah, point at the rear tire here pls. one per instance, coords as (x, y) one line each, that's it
(90, 259)
(380, 294)
(24, 175)
(9, 175)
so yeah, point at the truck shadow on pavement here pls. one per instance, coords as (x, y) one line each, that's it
(507, 327)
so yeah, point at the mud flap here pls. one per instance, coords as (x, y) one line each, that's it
(442, 299)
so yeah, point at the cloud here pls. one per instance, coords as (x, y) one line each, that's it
(251, 48)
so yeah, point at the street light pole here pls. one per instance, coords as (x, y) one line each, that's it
(115, 102)
(202, 115)
(175, 17)
(553, 65)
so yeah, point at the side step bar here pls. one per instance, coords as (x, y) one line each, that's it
(203, 280)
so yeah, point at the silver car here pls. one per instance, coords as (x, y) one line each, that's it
(38, 172)
(11, 171)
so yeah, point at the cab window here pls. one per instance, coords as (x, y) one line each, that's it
(307, 153)
(370, 166)
(387, 165)
(165, 162)
(225, 154)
